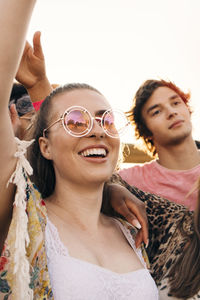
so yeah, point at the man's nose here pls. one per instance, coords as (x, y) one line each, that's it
(171, 112)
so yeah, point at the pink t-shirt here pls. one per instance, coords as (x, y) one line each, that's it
(171, 184)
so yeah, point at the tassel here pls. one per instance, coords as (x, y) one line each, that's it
(19, 268)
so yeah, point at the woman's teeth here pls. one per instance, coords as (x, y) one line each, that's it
(94, 152)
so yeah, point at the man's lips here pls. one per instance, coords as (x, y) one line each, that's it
(175, 124)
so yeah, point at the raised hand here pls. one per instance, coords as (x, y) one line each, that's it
(32, 66)
(32, 72)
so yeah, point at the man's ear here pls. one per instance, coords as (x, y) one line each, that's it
(45, 147)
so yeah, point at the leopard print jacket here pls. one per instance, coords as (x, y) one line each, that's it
(169, 226)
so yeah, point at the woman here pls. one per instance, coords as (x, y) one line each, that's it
(75, 151)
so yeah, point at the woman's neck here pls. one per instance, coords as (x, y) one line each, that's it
(76, 205)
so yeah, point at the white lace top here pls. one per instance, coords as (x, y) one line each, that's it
(75, 279)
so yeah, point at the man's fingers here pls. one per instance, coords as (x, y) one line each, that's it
(37, 47)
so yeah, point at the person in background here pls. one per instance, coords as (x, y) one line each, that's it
(21, 109)
(162, 119)
(32, 66)
(20, 97)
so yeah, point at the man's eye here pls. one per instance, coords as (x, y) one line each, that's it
(177, 102)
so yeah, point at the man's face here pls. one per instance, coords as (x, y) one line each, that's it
(167, 117)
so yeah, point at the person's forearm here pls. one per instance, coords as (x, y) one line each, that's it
(14, 20)
(40, 90)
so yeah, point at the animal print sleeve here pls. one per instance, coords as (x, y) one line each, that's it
(163, 216)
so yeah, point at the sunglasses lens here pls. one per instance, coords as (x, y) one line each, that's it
(114, 123)
(77, 122)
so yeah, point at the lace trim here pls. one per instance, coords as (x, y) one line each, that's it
(53, 240)
(131, 241)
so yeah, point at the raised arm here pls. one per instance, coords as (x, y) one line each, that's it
(32, 71)
(14, 19)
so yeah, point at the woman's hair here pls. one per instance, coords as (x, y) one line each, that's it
(184, 276)
(43, 170)
(134, 115)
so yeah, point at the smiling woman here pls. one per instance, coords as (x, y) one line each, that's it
(74, 169)
(70, 172)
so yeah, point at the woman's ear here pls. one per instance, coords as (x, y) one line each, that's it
(45, 147)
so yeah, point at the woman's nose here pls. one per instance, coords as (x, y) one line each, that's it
(97, 130)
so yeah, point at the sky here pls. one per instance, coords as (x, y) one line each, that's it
(115, 45)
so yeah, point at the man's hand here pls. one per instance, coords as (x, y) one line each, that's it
(32, 65)
(132, 209)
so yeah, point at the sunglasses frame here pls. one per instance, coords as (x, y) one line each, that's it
(80, 108)
(31, 119)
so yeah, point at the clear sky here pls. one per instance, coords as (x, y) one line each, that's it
(115, 45)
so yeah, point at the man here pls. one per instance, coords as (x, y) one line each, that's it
(162, 119)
